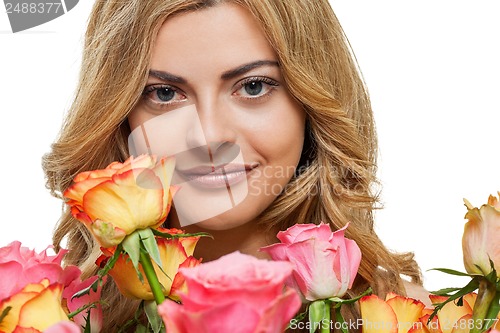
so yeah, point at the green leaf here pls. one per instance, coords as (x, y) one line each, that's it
(451, 272)
(141, 329)
(492, 276)
(150, 245)
(154, 318)
(5, 312)
(109, 265)
(88, 328)
(172, 236)
(132, 246)
(470, 287)
(444, 291)
(317, 312)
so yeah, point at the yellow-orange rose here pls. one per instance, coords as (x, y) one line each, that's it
(395, 314)
(480, 240)
(37, 307)
(399, 314)
(174, 253)
(124, 197)
(451, 318)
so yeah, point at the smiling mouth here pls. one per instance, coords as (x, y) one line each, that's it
(222, 176)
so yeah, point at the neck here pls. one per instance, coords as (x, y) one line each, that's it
(247, 239)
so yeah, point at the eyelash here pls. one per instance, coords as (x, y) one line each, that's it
(256, 79)
(240, 85)
(155, 87)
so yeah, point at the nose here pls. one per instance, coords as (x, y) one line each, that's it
(214, 128)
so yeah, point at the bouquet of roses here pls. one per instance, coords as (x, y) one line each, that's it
(312, 268)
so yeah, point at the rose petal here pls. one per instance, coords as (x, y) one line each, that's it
(377, 315)
(11, 273)
(125, 204)
(407, 310)
(43, 310)
(234, 317)
(64, 327)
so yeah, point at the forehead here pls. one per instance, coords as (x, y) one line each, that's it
(223, 33)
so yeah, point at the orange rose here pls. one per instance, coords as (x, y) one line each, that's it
(451, 318)
(35, 308)
(395, 314)
(399, 314)
(174, 253)
(124, 197)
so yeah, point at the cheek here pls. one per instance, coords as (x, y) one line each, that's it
(280, 138)
(136, 118)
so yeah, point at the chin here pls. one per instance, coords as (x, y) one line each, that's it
(222, 222)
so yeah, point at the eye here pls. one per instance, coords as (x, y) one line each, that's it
(162, 95)
(255, 87)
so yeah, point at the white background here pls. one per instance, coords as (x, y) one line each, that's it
(433, 73)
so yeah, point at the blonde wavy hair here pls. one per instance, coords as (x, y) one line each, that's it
(336, 176)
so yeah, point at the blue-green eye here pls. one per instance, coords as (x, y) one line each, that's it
(162, 95)
(165, 94)
(255, 87)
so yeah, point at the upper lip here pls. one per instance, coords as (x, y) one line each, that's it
(202, 170)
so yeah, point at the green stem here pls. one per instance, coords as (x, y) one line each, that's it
(151, 276)
(485, 296)
(325, 323)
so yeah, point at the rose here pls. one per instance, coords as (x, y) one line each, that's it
(175, 253)
(32, 287)
(124, 197)
(236, 293)
(37, 306)
(75, 303)
(403, 314)
(64, 327)
(451, 317)
(20, 266)
(325, 262)
(480, 239)
(395, 314)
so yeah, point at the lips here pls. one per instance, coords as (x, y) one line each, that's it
(216, 176)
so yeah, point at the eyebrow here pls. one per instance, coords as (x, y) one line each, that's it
(165, 76)
(247, 68)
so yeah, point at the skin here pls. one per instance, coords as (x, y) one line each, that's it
(224, 68)
(269, 130)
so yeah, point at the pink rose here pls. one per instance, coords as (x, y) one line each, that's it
(325, 262)
(20, 266)
(73, 304)
(236, 293)
(31, 287)
(64, 327)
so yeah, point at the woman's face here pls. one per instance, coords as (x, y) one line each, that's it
(215, 98)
